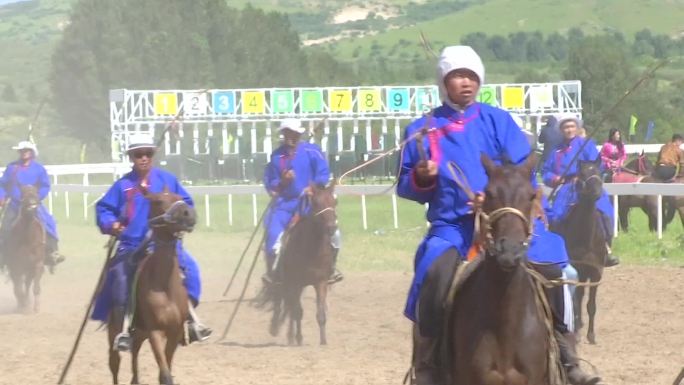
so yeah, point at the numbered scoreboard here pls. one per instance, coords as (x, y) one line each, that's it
(408, 101)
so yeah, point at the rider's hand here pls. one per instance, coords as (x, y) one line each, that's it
(308, 191)
(117, 228)
(2, 202)
(426, 172)
(477, 202)
(287, 177)
(273, 194)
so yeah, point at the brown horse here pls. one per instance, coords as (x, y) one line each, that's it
(25, 250)
(306, 259)
(160, 300)
(585, 239)
(496, 331)
(633, 172)
(674, 204)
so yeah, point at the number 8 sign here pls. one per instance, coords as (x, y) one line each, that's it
(398, 99)
(369, 100)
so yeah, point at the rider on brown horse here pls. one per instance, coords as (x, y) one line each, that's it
(27, 171)
(459, 127)
(123, 212)
(288, 177)
(670, 160)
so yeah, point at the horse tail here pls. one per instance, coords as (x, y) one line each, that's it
(271, 298)
(670, 209)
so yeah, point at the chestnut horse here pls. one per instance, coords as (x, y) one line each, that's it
(585, 239)
(160, 300)
(306, 259)
(636, 171)
(497, 332)
(25, 250)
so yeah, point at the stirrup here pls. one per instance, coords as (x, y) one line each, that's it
(198, 332)
(122, 342)
(335, 277)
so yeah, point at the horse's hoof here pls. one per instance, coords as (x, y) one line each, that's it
(591, 338)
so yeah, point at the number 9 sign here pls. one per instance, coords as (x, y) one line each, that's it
(398, 99)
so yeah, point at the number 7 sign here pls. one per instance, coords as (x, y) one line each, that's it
(340, 101)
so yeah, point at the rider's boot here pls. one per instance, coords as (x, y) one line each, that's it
(336, 275)
(197, 331)
(52, 255)
(610, 260)
(122, 341)
(269, 277)
(425, 362)
(570, 361)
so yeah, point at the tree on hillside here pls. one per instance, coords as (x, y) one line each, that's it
(602, 64)
(8, 94)
(171, 44)
(605, 71)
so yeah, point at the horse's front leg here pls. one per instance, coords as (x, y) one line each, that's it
(19, 292)
(577, 307)
(135, 350)
(321, 296)
(158, 343)
(38, 274)
(113, 329)
(591, 309)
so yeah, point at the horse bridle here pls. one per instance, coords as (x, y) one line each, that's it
(484, 221)
(583, 183)
(166, 218)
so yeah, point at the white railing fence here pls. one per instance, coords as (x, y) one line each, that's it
(90, 195)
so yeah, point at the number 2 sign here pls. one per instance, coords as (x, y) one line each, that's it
(195, 103)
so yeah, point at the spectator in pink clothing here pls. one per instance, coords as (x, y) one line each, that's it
(613, 153)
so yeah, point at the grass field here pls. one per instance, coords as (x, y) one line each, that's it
(379, 248)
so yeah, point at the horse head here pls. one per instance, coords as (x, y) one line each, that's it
(509, 209)
(169, 213)
(29, 199)
(589, 182)
(323, 204)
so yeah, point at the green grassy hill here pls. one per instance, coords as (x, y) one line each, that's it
(507, 16)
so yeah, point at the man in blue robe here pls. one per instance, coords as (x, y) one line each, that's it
(123, 212)
(27, 171)
(558, 166)
(293, 168)
(458, 131)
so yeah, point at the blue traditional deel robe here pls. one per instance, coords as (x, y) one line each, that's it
(567, 195)
(309, 166)
(124, 203)
(459, 137)
(16, 175)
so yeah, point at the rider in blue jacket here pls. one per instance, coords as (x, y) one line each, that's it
(293, 168)
(558, 166)
(458, 132)
(123, 211)
(27, 171)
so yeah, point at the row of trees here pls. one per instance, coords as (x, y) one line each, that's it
(535, 47)
(159, 44)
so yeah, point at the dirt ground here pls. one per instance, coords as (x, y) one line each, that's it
(640, 333)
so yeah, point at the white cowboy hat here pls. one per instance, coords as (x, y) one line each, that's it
(140, 140)
(26, 145)
(291, 124)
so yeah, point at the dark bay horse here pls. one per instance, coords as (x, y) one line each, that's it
(585, 239)
(306, 259)
(160, 299)
(496, 332)
(25, 250)
(636, 171)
